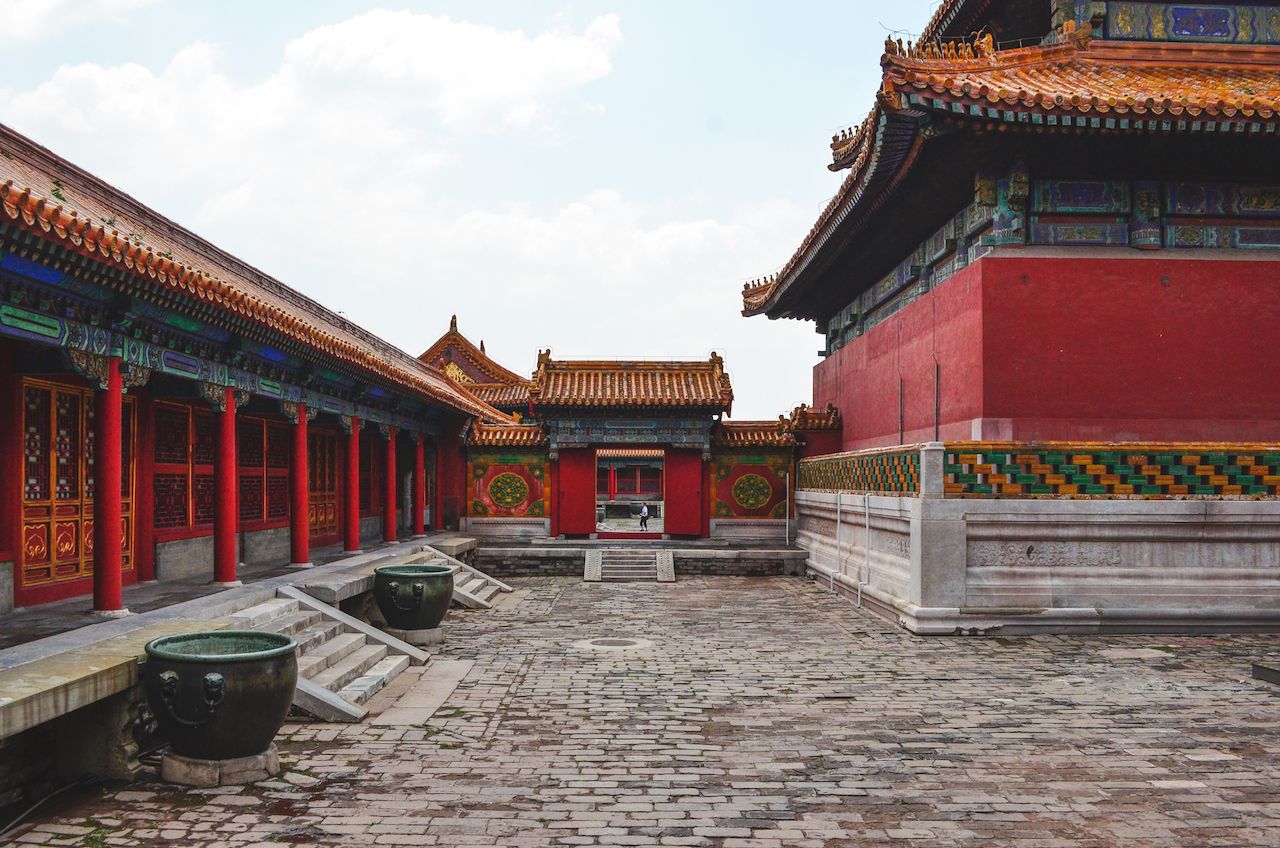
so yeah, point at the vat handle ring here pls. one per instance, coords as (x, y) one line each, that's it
(419, 590)
(214, 689)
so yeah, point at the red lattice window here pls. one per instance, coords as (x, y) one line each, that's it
(57, 484)
(202, 498)
(185, 445)
(277, 497)
(172, 500)
(263, 448)
(251, 497)
(372, 461)
(35, 445)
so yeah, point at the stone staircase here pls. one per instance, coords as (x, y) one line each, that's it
(629, 565)
(472, 588)
(342, 661)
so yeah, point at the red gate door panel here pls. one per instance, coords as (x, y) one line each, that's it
(576, 479)
(682, 501)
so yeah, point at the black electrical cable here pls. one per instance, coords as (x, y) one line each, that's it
(83, 783)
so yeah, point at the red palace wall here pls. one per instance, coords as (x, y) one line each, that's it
(1046, 347)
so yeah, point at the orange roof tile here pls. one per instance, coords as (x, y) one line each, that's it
(1127, 87)
(507, 435)
(630, 453)
(1118, 80)
(52, 198)
(599, 383)
(500, 395)
(753, 434)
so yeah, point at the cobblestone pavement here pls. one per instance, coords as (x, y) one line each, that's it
(766, 713)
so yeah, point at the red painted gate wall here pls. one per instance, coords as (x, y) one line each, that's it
(576, 491)
(683, 501)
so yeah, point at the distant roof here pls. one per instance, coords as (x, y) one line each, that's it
(695, 384)
(507, 435)
(754, 434)
(469, 366)
(46, 195)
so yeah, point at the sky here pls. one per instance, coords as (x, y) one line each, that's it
(594, 178)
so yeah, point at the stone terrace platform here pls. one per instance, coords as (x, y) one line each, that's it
(767, 712)
(558, 557)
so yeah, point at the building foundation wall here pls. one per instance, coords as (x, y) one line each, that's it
(507, 528)
(371, 527)
(1082, 344)
(951, 566)
(262, 546)
(185, 558)
(750, 529)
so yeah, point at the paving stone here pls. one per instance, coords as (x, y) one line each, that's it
(758, 712)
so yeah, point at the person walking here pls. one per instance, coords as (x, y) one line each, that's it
(644, 517)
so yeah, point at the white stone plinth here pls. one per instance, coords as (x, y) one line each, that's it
(434, 636)
(189, 771)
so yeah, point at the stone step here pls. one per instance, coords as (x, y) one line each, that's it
(372, 681)
(316, 660)
(254, 617)
(350, 667)
(472, 585)
(487, 592)
(315, 636)
(629, 569)
(293, 623)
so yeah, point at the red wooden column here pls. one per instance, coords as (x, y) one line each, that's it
(300, 494)
(389, 492)
(419, 486)
(351, 491)
(613, 482)
(108, 599)
(225, 514)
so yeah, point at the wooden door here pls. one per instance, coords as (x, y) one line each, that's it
(682, 500)
(324, 474)
(57, 484)
(576, 481)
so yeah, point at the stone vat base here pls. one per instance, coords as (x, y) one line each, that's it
(189, 771)
(434, 636)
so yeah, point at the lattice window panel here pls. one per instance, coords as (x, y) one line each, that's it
(90, 442)
(126, 451)
(170, 500)
(249, 442)
(204, 444)
(277, 497)
(250, 498)
(35, 446)
(67, 442)
(278, 440)
(172, 432)
(203, 499)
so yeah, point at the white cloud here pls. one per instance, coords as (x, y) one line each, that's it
(344, 173)
(30, 20)
(464, 71)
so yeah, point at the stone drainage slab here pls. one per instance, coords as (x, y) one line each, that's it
(613, 644)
